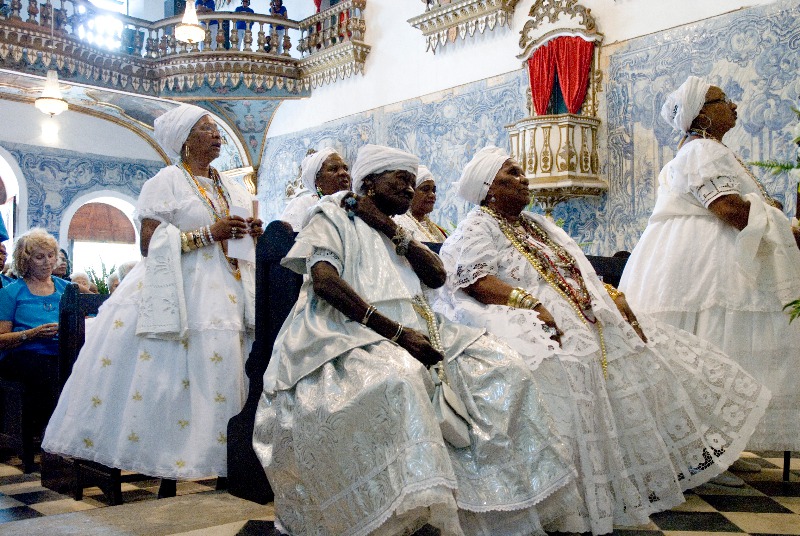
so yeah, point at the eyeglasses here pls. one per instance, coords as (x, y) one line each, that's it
(725, 99)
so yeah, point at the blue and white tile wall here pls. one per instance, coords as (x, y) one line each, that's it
(752, 54)
(56, 177)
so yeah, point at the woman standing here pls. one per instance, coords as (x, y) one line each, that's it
(162, 369)
(646, 410)
(719, 259)
(345, 427)
(416, 220)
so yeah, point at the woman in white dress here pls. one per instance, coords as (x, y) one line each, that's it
(646, 410)
(162, 369)
(346, 429)
(417, 220)
(322, 173)
(718, 258)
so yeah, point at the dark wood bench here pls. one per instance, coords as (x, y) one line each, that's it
(60, 473)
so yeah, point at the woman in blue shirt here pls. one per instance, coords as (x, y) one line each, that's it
(29, 321)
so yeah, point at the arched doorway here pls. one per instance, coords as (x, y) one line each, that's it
(10, 176)
(99, 234)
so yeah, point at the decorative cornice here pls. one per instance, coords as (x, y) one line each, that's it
(443, 23)
(550, 10)
(336, 63)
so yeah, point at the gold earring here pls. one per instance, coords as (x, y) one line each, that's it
(705, 128)
(370, 193)
(186, 151)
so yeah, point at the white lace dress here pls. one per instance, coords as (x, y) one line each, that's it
(345, 427)
(693, 271)
(670, 415)
(154, 406)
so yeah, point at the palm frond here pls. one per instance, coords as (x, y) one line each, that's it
(775, 166)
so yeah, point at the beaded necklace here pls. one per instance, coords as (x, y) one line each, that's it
(768, 198)
(579, 299)
(224, 199)
(200, 190)
(428, 228)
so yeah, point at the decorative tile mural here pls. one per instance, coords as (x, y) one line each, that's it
(56, 177)
(753, 54)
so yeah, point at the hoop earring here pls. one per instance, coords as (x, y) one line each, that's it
(703, 129)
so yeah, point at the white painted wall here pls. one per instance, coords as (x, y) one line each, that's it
(398, 68)
(76, 132)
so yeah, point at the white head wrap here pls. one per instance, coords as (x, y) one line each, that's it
(377, 159)
(311, 165)
(424, 174)
(479, 174)
(173, 127)
(684, 104)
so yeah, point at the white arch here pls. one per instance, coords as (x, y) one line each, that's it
(123, 202)
(15, 185)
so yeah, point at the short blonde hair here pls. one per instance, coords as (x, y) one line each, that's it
(24, 246)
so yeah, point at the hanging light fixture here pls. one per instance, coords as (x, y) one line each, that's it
(51, 102)
(189, 30)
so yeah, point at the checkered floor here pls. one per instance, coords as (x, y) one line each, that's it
(765, 506)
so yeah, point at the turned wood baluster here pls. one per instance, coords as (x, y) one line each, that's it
(46, 15)
(262, 38)
(16, 8)
(33, 10)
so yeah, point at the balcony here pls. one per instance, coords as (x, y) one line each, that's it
(143, 57)
(559, 156)
(446, 20)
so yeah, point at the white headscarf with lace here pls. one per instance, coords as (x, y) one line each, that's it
(479, 174)
(171, 129)
(377, 159)
(311, 165)
(685, 103)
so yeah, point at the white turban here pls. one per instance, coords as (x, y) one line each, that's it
(684, 104)
(377, 159)
(173, 127)
(311, 165)
(479, 174)
(424, 174)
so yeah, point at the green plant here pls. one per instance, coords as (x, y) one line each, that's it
(776, 166)
(793, 309)
(100, 279)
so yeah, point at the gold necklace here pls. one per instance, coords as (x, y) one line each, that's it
(524, 250)
(224, 197)
(428, 228)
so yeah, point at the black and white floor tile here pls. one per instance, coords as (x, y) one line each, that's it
(766, 506)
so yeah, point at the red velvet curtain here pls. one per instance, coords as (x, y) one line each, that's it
(573, 58)
(541, 70)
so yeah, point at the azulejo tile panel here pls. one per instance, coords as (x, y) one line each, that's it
(751, 53)
(56, 177)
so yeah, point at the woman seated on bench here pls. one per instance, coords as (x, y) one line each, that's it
(345, 428)
(29, 321)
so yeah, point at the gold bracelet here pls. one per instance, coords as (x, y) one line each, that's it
(614, 293)
(528, 302)
(185, 243)
(514, 296)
